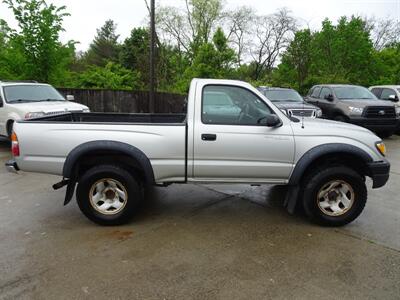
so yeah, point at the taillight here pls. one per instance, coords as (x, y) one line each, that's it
(14, 145)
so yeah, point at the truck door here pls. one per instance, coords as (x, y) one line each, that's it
(230, 143)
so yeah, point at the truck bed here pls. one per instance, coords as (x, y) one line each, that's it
(114, 118)
(47, 141)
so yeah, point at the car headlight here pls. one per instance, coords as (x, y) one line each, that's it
(284, 111)
(356, 111)
(397, 110)
(86, 110)
(32, 115)
(318, 113)
(381, 148)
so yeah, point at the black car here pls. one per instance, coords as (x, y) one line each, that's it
(290, 102)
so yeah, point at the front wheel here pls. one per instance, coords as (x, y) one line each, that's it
(334, 196)
(108, 195)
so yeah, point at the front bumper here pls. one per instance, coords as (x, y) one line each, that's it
(379, 172)
(12, 166)
(377, 124)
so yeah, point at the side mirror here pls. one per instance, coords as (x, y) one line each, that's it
(329, 97)
(393, 98)
(70, 97)
(270, 121)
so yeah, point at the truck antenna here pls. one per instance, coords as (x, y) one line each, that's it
(302, 116)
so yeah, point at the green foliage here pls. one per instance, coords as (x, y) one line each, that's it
(111, 76)
(341, 53)
(105, 45)
(213, 60)
(34, 51)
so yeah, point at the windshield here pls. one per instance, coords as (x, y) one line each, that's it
(31, 93)
(353, 92)
(283, 95)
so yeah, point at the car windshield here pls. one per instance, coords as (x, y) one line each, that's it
(31, 93)
(353, 92)
(283, 95)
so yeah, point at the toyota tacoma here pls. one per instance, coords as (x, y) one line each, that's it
(109, 159)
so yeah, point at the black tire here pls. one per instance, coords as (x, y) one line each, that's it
(316, 181)
(127, 182)
(341, 118)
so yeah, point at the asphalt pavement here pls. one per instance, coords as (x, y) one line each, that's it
(195, 242)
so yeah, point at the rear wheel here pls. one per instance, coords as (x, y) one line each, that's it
(108, 195)
(334, 196)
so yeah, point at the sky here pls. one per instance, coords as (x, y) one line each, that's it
(87, 15)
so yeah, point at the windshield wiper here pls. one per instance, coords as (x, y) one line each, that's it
(21, 100)
(49, 99)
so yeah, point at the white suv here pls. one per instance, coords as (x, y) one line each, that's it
(26, 100)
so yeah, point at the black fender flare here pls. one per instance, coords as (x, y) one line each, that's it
(312, 155)
(73, 157)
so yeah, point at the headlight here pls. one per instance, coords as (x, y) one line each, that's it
(86, 110)
(32, 115)
(357, 111)
(397, 110)
(284, 111)
(318, 113)
(381, 148)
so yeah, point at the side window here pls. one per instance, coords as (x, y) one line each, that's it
(315, 92)
(231, 105)
(377, 92)
(386, 93)
(325, 92)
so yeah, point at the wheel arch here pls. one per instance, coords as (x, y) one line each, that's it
(351, 155)
(329, 152)
(110, 152)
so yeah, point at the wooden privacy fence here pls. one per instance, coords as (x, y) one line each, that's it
(126, 101)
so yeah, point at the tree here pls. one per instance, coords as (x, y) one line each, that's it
(341, 53)
(272, 36)
(111, 76)
(239, 22)
(384, 32)
(35, 48)
(104, 47)
(213, 60)
(297, 60)
(191, 28)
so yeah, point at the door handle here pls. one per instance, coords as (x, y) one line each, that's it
(208, 137)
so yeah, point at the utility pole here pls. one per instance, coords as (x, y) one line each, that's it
(152, 57)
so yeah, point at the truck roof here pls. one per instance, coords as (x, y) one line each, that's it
(386, 86)
(13, 83)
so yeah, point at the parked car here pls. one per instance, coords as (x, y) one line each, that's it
(24, 100)
(113, 157)
(388, 93)
(355, 104)
(290, 102)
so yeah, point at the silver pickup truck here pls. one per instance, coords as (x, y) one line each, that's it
(230, 134)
